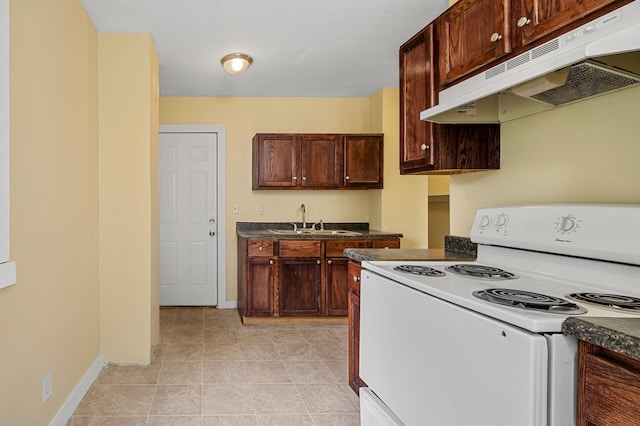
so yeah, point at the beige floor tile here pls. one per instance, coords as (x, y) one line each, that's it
(218, 352)
(224, 371)
(259, 352)
(266, 372)
(124, 400)
(286, 420)
(309, 372)
(178, 335)
(297, 352)
(331, 350)
(222, 336)
(230, 421)
(92, 400)
(352, 395)
(339, 368)
(177, 400)
(326, 398)
(188, 324)
(184, 352)
(285, 335)
(318, 334)
(174, 421)
(253, 335)
(118, 421)
(189, 313)
(77, 420)
(336, 419)
(157, 355)
(277, 399)
(180, 373)
(129, 375)
(227, 398)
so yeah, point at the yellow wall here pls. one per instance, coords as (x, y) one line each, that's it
(244, 117)
(128, 197)
(49, 320)
(585, 152)
(388, 207)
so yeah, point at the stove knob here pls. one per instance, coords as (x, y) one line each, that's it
(502, 220)
(484, 222)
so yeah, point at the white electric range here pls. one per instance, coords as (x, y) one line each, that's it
(453, 343)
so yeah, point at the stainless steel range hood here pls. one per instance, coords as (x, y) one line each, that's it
(596, 58)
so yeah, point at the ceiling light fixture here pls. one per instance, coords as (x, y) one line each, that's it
(236, 63)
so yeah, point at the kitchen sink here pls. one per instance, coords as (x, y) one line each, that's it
(307, 231)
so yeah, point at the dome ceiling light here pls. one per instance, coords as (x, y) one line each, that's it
(236, 63)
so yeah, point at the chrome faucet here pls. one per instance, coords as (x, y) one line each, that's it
(304, 216)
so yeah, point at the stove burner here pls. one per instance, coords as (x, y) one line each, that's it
(420, 270)
(528, 300)
(615, 301)
(480, 271)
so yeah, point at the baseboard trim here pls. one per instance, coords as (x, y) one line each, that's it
(228, 304)
(69, 407)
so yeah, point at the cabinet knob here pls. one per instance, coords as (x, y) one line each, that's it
(329, 262)
(271, 262)
(356, 278)
(495, 37)
(347, 177)
(523, 21)
(260, 248)
(304, 178)
(295, 178)
(318, 261)
(424, 147)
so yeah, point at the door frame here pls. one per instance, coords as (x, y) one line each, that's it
(220, 130)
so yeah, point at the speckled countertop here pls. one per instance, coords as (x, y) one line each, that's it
(456, 249)
(621, 335)
(262, 230)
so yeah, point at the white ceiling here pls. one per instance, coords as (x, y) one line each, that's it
(330, 48)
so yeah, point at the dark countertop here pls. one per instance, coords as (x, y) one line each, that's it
(456, 249)
(261, 230)
(621, 335)
(362, 255)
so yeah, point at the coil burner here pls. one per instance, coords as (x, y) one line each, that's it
(480, 271)
(420, 270)
(529, 300)
(616, 302)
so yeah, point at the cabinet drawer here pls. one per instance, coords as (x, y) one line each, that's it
(259, 248)
(612, 392)
(299, 248)
(387, 243)
(354, 270)
(336, 247)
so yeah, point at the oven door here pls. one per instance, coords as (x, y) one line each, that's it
(434, 363)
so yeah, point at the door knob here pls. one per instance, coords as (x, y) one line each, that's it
(212, 233)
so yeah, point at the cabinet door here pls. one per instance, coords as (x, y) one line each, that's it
(259, 297)
(299, 281)
(337, 302)
(531, 19)
(355, 382)
(363, 161)
(275, 161)
(417, 93)
(320, 160)
(471, 33)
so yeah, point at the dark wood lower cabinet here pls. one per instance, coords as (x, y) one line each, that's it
(337, 291)
(608, 388)
(260, 295)
(355, 382)
(299, 283)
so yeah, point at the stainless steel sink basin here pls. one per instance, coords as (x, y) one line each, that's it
(314, 232)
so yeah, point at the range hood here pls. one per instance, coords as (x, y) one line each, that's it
(596, 58)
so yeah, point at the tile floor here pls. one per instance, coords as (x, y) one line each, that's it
(209, 369)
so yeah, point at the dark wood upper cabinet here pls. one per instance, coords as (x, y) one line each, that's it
(320, 161)
(472, 33)
(275, 161)
(427, 148)
(317, 161)
(363, 159)
(532, 19)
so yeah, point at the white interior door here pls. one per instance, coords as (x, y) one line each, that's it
(188, 222)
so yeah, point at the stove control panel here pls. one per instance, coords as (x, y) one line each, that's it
(597, 231)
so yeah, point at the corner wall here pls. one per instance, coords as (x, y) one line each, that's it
(49, 320)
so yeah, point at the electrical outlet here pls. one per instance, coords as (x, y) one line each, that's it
(47, 388)
(262, 209)
(235, 208)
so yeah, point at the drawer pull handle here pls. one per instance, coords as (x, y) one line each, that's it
(271, 262)
(523, 21)
(424, 147)
(356, 278)
(495, 37)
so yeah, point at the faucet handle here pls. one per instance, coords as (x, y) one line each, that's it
(295, 226)
(321, 225)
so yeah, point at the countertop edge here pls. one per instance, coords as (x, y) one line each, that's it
(607, 332)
